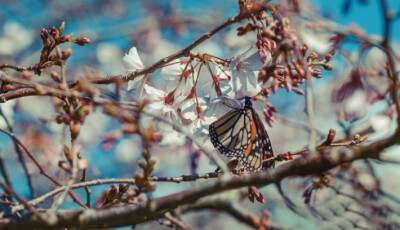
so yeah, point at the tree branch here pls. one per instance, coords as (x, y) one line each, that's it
(128, 215)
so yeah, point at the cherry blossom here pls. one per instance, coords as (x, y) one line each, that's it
(179, 78)
(216, 83)
(245, 70)
(315, 39)
(220, 106)
(161, 103)
(133, 63)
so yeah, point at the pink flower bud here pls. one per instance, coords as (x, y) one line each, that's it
(44, 34)
(156, 137)
(82, 41)
(304, 50)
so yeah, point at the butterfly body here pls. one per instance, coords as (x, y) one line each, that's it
(240, 133)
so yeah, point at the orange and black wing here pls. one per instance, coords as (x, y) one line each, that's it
(230, 133)
(241, 133)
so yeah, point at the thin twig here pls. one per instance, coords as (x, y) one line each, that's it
(20, 158)
(74, 172)
(88, 192)
(297, 124)
(234, 209)
(310, 113)
(17, 68)
(4, 172)
(27, 206)
(183, 178)
(176, 222)
(40, 167)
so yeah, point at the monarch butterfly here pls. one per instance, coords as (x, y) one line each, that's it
(240, 133)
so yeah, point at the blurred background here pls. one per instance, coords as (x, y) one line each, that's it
(158, 29)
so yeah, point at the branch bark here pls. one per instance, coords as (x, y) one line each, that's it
(131, 215)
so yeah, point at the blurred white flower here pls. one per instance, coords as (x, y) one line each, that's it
(241, 42)
(316, 40)
(15, 38)
(128, 150)
(245, 70)
(171, 137)
(192, 116)
(190, 109)
(8, 111)
(380, 123)
(166, 106)
(89, 131)
(367, 181)
(107, 53)
(355, 105)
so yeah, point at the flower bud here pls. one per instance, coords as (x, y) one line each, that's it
(156, 137)
(82, 41)
(68, 154)
(26, 75)
(48, 64)
(328, 57)
(141, 163)
(112, 194)
(64, 165)
(304, 49)
(139, 179)
(312, 56)
(44, 34)
(62, 26)
(59, 119)
(75, 128)
(66, 54)
(330, 137)
(54, 75)
(153, 161)
(328, 67)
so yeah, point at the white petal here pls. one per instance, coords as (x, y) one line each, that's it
(380, 123)
(132, 60)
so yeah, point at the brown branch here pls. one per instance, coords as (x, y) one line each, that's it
(232, 208)
(128, 215)
(112, 79)
(326, 144)
(17, 68)
(183, 178)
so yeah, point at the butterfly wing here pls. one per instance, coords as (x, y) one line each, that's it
(259, 147)
(241, 133)
(230, 133)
